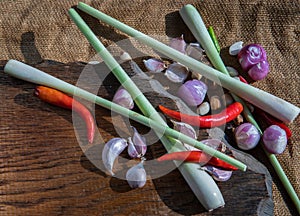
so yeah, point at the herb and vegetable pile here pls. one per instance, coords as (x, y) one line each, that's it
(196, 79)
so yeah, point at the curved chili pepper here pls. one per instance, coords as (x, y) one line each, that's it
(60, 99)
(227, 115)
(273, 121)
(197, 157)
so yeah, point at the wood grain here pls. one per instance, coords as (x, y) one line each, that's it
(44, 170)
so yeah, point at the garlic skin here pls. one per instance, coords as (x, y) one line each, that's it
(123, 98)
(111, 151)
(176, 72)
(154, 65)
(138, 145)
(178, 43)
(136, 176)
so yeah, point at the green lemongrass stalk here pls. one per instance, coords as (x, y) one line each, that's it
(193, 20)
(214, 38)
(280, 108)
(201, 183)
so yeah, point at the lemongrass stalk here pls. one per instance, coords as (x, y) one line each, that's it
(284, 110)
(193, 20)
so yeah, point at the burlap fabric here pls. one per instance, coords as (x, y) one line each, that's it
(31, 31)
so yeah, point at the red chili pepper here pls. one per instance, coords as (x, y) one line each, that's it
(227, 115)
(273, 121)
(197, 157)
(60, 99)
(242, 79)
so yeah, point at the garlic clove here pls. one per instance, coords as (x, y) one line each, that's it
(138, 143)
(132, 152)
(136, 176)
(111, 151)
(125, 56)
(187, 130)
(215, 103)
(195, 51)
(154, 65)
(176, 72)
(235, 48)
(195, 75)
(204, 108)
(218, 174)
(178, 43)
(123, 98)
(232, 71)
(215, 143)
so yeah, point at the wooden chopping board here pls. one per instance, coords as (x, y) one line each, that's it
(44, 170)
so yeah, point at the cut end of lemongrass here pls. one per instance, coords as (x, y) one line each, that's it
(271, 104)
